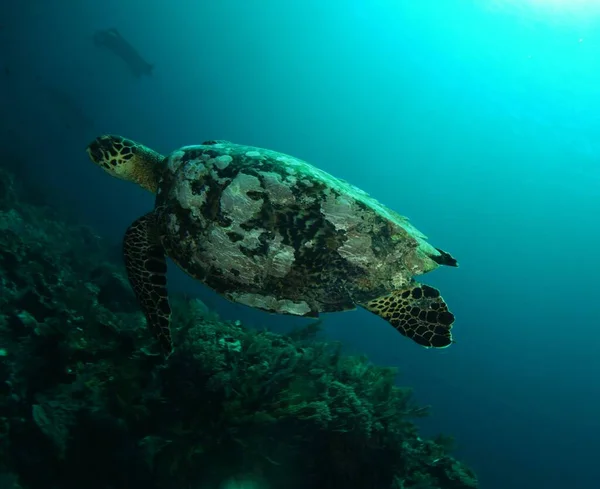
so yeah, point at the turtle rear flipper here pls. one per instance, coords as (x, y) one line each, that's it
(418, 312)
(147, 268)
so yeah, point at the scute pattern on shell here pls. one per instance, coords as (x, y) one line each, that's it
(272, 231)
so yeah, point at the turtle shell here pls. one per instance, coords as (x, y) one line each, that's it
(273, 232)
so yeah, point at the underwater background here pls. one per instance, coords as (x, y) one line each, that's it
(476, 119)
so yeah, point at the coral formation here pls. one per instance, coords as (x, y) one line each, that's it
(85, 400)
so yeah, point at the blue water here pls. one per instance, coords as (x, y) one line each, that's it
(477, 119)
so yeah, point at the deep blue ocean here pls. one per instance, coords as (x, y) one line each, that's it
(479, 120)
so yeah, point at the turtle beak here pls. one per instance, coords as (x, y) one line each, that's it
(100, 149)
(93, 151)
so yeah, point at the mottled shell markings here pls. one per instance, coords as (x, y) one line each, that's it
(225, 252)
(271, 231)
(188, 199)
(271, 303)
(340, 211)
(223, 161)
(279, 193)
(225, 255)
(358, 250)
(175, 159)
(279, 258)
(173, 224)
(235, 201)
(240, 202)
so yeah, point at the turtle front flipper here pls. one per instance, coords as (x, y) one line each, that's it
(147, 271)
(418, 312)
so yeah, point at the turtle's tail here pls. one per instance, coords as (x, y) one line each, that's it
(127, 160)
(444, 258)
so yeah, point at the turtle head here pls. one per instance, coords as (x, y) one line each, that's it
(127, 160)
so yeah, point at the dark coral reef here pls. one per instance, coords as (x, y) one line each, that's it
(86, 401)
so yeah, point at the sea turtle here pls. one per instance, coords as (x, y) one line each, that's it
(273, 232)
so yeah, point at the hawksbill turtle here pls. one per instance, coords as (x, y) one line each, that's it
(273, 232)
